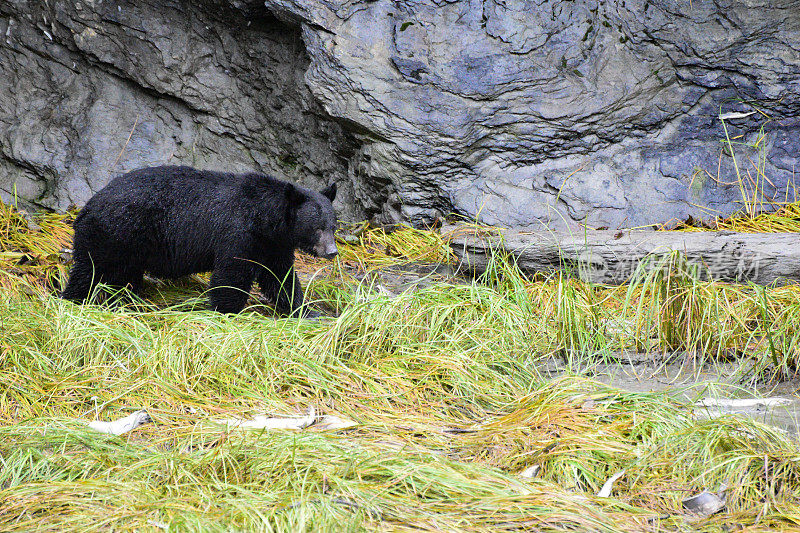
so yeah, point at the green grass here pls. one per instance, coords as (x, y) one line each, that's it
(444, 384)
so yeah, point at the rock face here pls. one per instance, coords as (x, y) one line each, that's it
(91, 89)
(514, 112)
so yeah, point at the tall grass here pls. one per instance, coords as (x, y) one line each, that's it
(774, 218)
(448, 415)
(443, 383)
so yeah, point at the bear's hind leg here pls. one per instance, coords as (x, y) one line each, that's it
(82, 279)
(85, 275)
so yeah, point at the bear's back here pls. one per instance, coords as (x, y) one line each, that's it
(182, 207)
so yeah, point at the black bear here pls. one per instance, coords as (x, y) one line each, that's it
(171, 221)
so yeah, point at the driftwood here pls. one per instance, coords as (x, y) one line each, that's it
(612, 257)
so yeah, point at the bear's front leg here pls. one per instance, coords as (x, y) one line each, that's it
(283, 287)
(230, 285)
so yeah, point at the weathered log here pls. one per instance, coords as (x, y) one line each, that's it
(612, 257)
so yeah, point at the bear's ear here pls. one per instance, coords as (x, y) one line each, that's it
(329, 192)
(294, 196)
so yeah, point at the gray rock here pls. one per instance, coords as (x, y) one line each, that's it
(600, 112)
(94, 89)
(507, 111)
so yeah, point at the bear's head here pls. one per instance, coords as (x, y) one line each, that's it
(314, 220)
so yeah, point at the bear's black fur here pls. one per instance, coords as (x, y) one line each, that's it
(173, 221)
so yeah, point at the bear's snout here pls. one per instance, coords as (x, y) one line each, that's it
(326, 246)
(327, 252)
(330, 254)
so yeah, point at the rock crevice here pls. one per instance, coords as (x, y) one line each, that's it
(99, 88)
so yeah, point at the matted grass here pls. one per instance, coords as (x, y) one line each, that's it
(443, 383)
(780, 218)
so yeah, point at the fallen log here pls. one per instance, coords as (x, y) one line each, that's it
(612, 257)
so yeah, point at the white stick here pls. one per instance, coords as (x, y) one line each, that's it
(743, 402)
(123, 425)
(605, 492)
(263, 422)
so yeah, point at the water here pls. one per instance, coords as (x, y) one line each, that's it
(711, 389)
